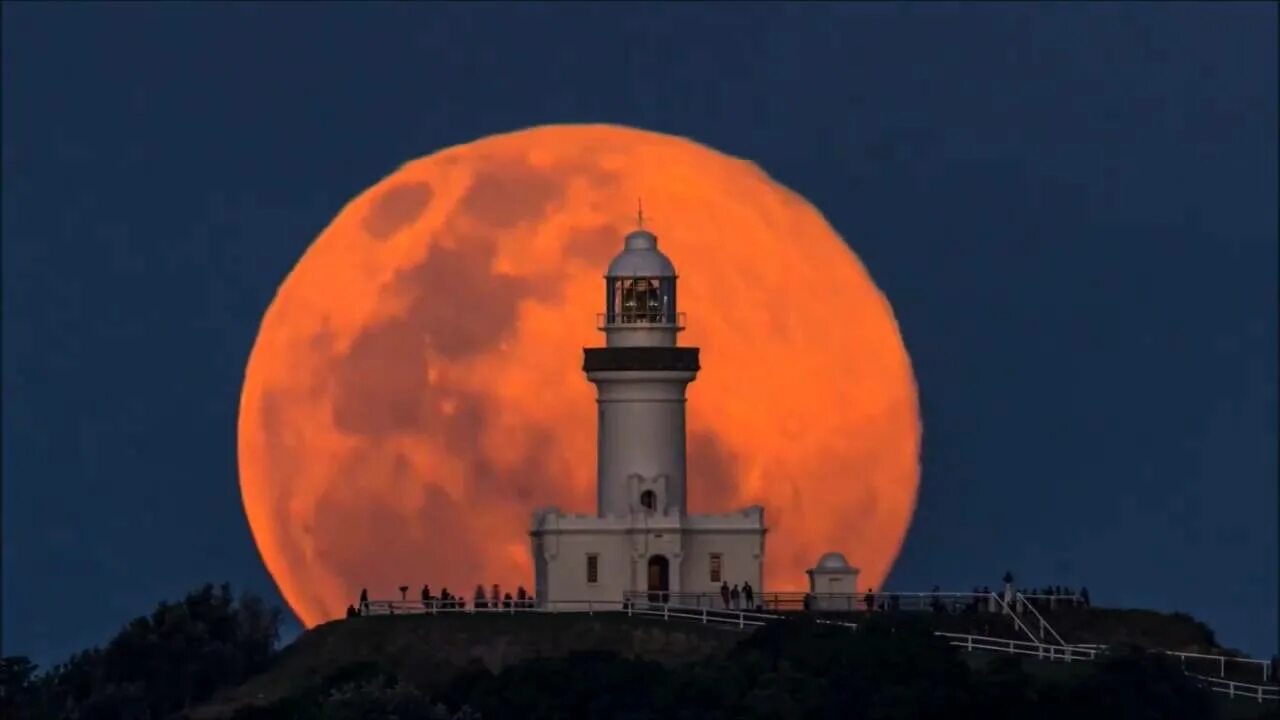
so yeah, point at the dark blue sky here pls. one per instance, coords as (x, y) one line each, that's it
(1072, 209)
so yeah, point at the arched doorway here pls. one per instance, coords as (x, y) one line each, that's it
(659, 578)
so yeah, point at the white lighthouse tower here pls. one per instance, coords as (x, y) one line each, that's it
(640, 377)
(642, 537)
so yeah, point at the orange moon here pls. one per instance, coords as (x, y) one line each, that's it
(415, 390)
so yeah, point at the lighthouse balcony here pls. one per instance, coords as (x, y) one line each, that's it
(640, 320)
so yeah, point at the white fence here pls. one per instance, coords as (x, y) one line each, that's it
(1025, 607)
(951, 602)
(1235, 689)
(743, 619)
(990, 603)
(1246, 666)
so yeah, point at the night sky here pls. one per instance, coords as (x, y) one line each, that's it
(1072, 209)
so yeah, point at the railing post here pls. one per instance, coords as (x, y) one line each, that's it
(741, 620)
(665, 612)
(1222, 667)
(704, 616)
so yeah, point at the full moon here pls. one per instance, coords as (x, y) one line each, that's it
(416, 388)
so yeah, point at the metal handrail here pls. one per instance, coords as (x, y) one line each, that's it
(853, 602)
(1017, 620)
(433, 606)
(1224, 661)
(641, 320)
(1238, 689)
(1018, 647)
(1044, 624)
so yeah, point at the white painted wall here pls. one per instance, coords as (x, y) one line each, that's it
(641, 432)
(742, 560)
(623, 545)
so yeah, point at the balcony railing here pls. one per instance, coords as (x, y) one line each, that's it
(640, 320)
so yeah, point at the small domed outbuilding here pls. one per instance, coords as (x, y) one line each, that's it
(832, 582)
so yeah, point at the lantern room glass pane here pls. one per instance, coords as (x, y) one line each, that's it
(641, 300)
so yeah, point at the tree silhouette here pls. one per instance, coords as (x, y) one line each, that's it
(159, 664)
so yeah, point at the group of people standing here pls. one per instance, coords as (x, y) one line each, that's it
(980, 600)
(495, 600)
(498, 599)
(738, 599)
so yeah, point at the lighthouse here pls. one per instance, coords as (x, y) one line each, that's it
(641, 540)
(640, 377)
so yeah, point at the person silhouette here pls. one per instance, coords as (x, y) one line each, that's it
(724, 593)
(748, 595)
(735, 596)
(364, 600)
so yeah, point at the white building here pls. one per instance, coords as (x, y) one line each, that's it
(642, 538)
(832, 582)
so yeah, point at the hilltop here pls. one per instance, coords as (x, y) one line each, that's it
(436, 654)
(209, 657)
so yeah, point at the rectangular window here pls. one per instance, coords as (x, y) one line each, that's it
(716, 563)
(593, 569)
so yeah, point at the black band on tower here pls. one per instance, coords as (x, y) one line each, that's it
(640, 358)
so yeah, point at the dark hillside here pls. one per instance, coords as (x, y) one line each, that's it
(429, 651)
(1110, 626)
(618, 667)
(211, 656)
